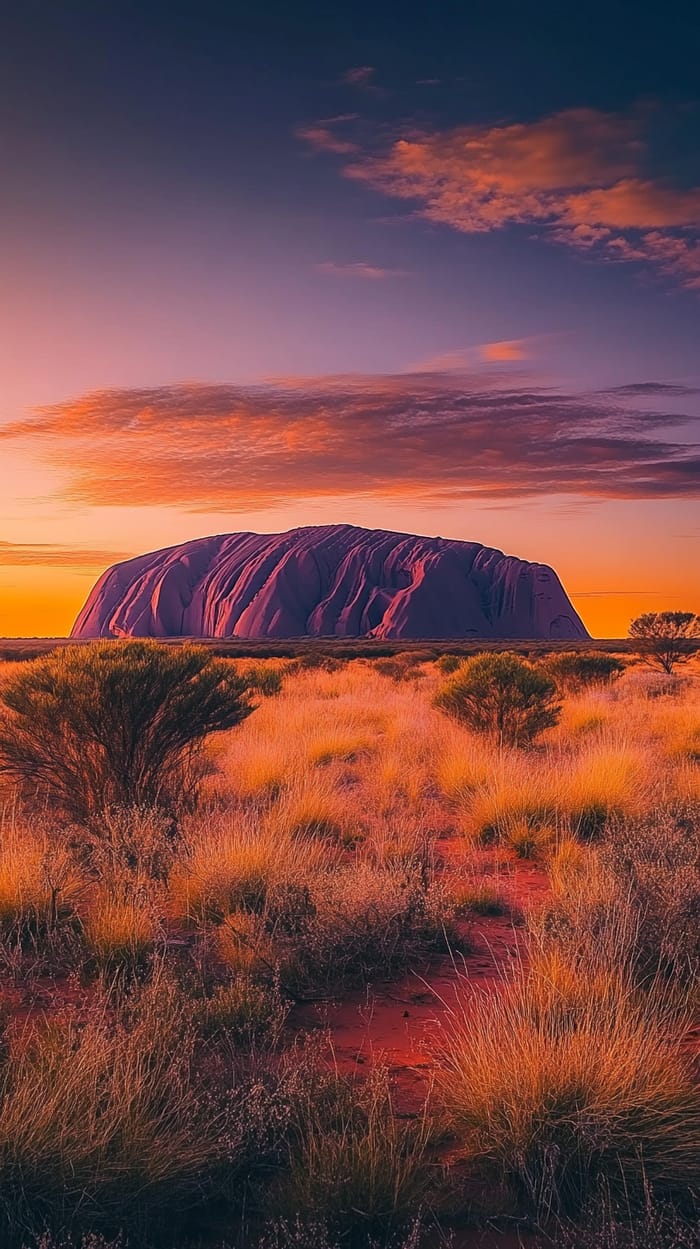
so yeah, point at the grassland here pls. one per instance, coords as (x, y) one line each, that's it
(387, 983)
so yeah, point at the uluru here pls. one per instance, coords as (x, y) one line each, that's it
(329, 581)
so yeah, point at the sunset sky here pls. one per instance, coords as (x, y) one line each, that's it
(427, 267)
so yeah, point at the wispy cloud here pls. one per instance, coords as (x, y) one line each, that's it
(359, 76)
(424, 436)
(466, 359)
(671, 389)
(359, 269)
(27, 554)
(502, 352)
(581, 176)
(322, 139)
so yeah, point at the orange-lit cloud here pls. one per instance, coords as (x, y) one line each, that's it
(359, 269)
(30, 554)
(424, 437)
(582, 176)
(512, 349)
(322, 139)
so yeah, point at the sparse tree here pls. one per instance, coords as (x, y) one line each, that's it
(115, 724)
(502, 695)
(665, 638)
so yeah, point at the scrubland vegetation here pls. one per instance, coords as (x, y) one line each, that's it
(200, 857)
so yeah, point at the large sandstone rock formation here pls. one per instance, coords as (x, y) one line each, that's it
(328, 580)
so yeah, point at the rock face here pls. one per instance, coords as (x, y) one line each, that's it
(328, 580)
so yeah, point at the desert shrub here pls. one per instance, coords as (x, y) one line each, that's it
(566, 1078)
(573, 671)
(501, 695)
(478, 897)
(131, 845)
(400, 667)
(447, 664)
(666, 638)
(528, 839)
(227, 867)
(607, 1224)
(638, 898)
(368, 922)
(40, 884)
(638, 683)
(263, 679)
(102, 1121)
(244, 1011)
(355, 1166)
(115, 724)
(313, 659)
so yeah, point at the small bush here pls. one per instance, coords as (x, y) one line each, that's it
(115, 724)
(354, 1165)
(401, 667)
(501, 695)
(478, 898)
(447, 664)
(40, 885)
(102, 1121)
(245, 1012)
(643, 888)
(263, 679)
(573, 671)
(368, 922)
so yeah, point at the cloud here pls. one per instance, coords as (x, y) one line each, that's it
(427, 436)
(25, 554)
(510, 349)
(360, 269)
(321, 139)
(653, 388)
(359, 76)
(581, 176)
(463, 359)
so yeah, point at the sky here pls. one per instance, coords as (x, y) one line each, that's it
(432, 268)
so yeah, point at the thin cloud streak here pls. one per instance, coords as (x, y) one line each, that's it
(29, 554)
(359, 269)
(422, 437)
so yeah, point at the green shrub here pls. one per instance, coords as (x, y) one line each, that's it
(404, 666)
(115, 724)
(447, 664)
(263, 679)
(501, 695)
(572, 671)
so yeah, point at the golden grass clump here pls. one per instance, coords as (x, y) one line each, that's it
(355, 1164)
(40, 882)
(233, 864)
(120, 932)
(565, 1077)
(102, 1119)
